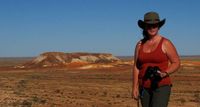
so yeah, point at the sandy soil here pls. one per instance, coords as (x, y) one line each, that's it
(88, 88)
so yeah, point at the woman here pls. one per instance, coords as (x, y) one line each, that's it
(155, 59)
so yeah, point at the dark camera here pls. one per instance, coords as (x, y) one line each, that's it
(153, 75)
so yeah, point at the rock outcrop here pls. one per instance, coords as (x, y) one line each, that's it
(56, 59)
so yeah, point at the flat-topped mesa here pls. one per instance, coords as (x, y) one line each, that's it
(51, 59)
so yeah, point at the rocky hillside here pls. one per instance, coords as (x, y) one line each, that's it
(51, 59)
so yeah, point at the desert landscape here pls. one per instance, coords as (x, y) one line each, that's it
(86, 80)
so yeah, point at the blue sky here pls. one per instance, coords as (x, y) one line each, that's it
(31, 27)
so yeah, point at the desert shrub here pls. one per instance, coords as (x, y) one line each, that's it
(197, 97)
(21, 84)
(20, 87)
(182, 100)
(26, 103)
(118, 95)
(82, 92)
(105, 93)
(38, 100)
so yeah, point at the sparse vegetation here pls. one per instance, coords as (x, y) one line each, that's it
(88, 88)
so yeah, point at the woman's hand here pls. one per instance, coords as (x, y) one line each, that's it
(136, 93)
(163, 74)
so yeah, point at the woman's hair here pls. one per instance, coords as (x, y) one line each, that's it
(145, 36)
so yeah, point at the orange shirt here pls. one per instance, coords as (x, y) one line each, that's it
(154, 58)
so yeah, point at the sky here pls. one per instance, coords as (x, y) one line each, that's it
(31, 27)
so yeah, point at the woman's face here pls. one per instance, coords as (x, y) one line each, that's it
(152, 29)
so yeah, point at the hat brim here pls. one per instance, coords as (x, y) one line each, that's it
(142, 24)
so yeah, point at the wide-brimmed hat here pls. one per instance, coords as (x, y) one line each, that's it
(151, 18)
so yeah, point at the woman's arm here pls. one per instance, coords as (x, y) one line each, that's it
(170, 50)
(136, 73)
